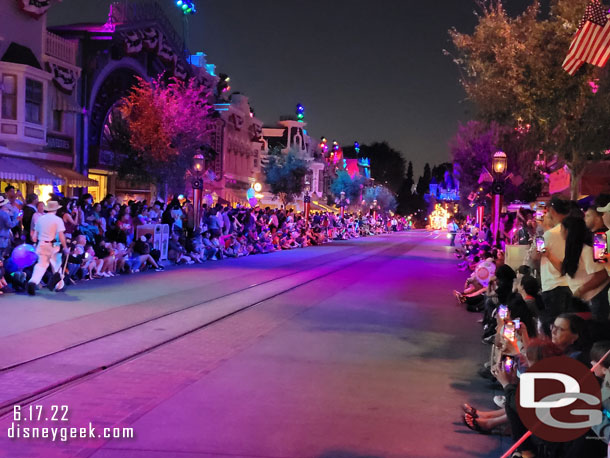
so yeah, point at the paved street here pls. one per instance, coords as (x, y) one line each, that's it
(349, 350)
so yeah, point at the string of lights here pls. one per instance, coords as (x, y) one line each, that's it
(187, 6)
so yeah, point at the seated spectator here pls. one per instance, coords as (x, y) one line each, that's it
(176, 252)
(141, 257)
(529, 289)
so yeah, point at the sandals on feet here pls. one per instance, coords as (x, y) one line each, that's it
(472, 423)
(467, 408)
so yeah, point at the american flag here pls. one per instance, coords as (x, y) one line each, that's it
(591, 43)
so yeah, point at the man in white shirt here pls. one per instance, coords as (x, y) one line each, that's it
(48, 233)
(556, 294)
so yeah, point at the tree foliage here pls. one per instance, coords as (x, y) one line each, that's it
(511, 69)
(385, 198)
(168, 123)
(472, 149)
(387, 164)
(284, 173)
(352, 187)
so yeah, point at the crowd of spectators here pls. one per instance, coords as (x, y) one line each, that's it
(555, 303)
(105, 241)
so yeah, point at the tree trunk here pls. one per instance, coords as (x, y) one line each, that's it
(163, 190)
(576, 171)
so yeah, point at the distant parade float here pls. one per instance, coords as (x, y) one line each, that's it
(439, 217)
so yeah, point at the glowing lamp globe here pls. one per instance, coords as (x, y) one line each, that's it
(198, 163)
(24, 256)
(258, 187)
(499, 163)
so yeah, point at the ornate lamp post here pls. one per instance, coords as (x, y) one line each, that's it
(307, 202)
(375, 210)
(498, 167)
(197, 184)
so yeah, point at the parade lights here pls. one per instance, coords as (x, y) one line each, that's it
(187, 6)
(439, 217)
(357, 147)
(300, 113)
(324, 145)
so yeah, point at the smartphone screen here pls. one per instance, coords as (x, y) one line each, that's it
(508, 364)
(540, 244)
(600, 247)
(503, 311)
(509, 331)
(517, 322)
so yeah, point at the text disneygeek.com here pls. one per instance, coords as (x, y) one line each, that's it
(19, 428)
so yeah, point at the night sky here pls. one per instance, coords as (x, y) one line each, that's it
(365, 70)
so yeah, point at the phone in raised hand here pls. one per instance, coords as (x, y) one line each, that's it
(540, 247)
(600, 247)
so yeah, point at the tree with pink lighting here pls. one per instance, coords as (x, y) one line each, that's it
(168, 124)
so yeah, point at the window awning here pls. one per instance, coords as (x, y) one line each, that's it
(14, 169)
(73, 178)
(62, 102)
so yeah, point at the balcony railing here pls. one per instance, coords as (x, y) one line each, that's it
(60, 48)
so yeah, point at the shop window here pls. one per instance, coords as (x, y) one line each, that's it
(33, 101)
(58, 121)
(101, 190)
(9, 97)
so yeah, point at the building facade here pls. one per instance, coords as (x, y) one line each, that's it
(136, 41)
(239, 147)
(39, 112)
(289, 135)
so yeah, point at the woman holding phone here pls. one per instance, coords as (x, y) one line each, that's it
(587, 279)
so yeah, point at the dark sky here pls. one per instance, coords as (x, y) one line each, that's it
(366, 70)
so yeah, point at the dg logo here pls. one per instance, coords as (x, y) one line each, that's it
(559, 399)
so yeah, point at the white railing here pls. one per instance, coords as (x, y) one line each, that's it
(60, 48)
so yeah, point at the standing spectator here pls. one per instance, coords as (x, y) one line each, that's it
(7, 223)
(31, 202)
(155, 212)
(587, 279)
(14, 207)
(453, 228)
(49, 235)
(594, 219)
(212, 223)
(38, 214)
(70, 214)
(556, 294)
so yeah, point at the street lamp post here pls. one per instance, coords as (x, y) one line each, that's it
(498, 167)
(375, 210)
(307, 202)
(197, 184)
(342, 205)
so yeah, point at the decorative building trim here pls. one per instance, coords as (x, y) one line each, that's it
(64, 78)
(35, 8)
(152, 40)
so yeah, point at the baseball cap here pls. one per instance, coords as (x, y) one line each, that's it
(605, 209)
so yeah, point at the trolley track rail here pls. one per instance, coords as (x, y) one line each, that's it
(353, 255)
